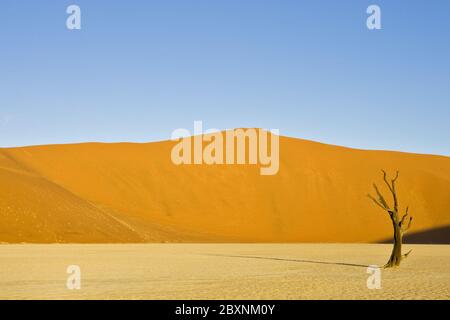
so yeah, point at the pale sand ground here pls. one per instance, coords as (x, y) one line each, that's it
(215, 271)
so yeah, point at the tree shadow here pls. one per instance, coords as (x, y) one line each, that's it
(294, 260)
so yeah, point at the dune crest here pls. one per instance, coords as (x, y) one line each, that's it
(127, 192)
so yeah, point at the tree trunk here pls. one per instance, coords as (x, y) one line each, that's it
(396, 255)
(400, 226)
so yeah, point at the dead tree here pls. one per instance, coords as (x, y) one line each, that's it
(401, 225)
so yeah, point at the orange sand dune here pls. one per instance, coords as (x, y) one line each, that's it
(129, 192)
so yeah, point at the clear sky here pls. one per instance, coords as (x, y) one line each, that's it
(137, 70)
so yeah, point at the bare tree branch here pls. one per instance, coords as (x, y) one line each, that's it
(394, 193)
(406, 254)
(392, 189)
(396, 176)
(376, 202)
(408, 226)
(402, 221)
(386, 181)
(381, 198)
(404, 217)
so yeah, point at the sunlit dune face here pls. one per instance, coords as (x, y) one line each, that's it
(135, 193)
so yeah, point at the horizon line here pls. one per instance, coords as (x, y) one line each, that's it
(222, 131)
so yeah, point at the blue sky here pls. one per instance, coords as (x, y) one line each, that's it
(137, 70)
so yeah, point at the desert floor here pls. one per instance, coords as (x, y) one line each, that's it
(221, 271)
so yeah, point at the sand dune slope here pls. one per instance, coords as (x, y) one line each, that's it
(133, 193)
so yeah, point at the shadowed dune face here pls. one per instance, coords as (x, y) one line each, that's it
(134, 193)
(440, 235)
